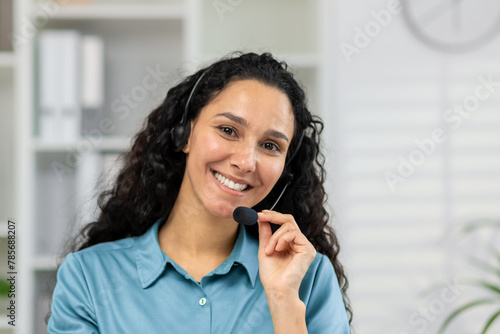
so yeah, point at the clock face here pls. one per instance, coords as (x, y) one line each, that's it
(453, 25)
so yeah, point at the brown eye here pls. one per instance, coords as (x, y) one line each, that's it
(271, 147)
(228, 131)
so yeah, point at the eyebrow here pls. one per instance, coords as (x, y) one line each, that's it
(233, 118)
(242, 121)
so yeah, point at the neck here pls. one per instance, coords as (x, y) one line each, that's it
(192, 233)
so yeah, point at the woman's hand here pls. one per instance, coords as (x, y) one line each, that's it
(284, 258)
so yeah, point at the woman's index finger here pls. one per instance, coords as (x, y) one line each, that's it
(276, 217)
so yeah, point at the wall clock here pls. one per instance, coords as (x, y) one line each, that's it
(453, 25)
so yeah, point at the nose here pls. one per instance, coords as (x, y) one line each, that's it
(244, 158)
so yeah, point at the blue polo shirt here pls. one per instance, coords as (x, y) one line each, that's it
(132, 286)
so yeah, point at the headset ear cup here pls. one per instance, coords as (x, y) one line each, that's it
(285, 178)
(180, 133)
(179, 136)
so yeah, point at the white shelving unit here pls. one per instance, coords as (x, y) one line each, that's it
(7, 72)
(116, 143)
(123, 11)
(7, 68)
(176, 36)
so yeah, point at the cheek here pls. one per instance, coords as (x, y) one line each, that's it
(210, 146)
(273, 172)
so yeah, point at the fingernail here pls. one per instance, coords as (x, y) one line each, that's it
(267, 249)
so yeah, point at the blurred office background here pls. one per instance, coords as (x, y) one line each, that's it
(409, 92)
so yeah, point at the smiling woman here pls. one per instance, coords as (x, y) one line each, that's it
(166, 255)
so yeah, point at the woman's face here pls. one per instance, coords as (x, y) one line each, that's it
(237, 148)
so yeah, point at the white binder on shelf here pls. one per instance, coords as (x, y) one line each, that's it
(92, 88)
(59, 116)
(70, 86)
(49, 53)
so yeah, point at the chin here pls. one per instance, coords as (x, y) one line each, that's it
(224, 211)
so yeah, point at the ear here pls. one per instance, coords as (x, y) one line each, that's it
(187, 147)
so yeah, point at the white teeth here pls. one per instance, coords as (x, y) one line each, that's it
(230, 184)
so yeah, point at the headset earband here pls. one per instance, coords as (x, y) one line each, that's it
(180, 132)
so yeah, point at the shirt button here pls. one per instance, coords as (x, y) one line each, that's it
(202, 301)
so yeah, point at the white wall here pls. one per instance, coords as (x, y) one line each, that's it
(398, 242)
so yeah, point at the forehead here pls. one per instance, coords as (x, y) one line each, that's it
(255, 102)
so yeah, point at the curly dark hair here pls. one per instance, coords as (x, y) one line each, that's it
(149, 182)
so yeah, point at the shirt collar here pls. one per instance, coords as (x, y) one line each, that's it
(149, 257)
(151, 260)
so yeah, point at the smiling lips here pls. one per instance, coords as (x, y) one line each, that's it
(230, 184)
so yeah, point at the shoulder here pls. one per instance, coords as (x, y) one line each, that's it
(321, 272)
(83, 282)
(322, 262)
(110, 246)
(320, 285)
(320, 292)
(100, 256)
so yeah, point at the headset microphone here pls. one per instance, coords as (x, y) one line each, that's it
(244, 215)
(247, 216)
